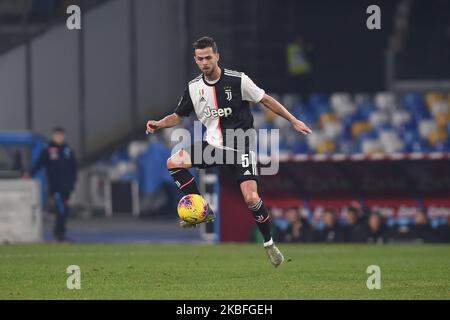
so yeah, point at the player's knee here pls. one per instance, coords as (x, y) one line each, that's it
(251, 198)
(170, 164)
(178, 160)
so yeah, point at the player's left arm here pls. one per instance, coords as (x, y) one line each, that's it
(280, 110)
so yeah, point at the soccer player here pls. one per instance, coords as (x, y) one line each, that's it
(220, 99)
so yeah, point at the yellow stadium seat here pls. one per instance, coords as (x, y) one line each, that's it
(432, 97)
(436, 136)
(360, 127)
(326, 146)
(442, 119)
(270, 115)
(327, 117)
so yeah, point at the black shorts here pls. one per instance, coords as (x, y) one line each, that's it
(242, 163)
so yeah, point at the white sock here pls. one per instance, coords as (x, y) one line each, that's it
(268, 243)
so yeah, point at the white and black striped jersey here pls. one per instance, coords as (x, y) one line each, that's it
(221, 105)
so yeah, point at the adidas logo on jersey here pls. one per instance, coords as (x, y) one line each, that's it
(214, 113)
(247, 173)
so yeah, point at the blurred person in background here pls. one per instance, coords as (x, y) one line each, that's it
(354, 230)
(299, 66)
(298, 229)
(421, 229)
(444, 232)
(376, 230)
(60, 164)
(332, 231)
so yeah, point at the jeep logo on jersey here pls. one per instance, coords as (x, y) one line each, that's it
(228, 93)
(214, 113)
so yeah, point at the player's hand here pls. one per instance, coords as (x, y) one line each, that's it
(301, 127)
(152, 126)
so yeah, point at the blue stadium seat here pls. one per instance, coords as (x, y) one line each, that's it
(322, 108)
(365, 109)
(383, 127)
(417, 146)
(410, 136)
(300, 147)
(443, 146)
(408, 126)
(348, 120)
(420, 113)
(318, 98)
(370, 135)
(412, 100)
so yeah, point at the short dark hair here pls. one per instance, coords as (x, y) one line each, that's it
(58, 130)
(205, 42)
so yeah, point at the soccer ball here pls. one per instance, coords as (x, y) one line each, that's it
(193, 208)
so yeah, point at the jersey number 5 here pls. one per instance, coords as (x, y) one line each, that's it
(245, 161)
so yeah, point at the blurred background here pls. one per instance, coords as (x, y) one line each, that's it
(376, 169)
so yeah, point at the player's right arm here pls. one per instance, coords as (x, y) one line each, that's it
(184, 109)
(170, 121)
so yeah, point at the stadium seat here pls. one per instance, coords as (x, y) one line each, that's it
(360, 124)
(350, 119)
(442, 119)
(432, 97)
(391, 141)
(438, 107)
(300, 147)
(289, 100)
(333, 129)
(327, 117)
(326, 146)
(378, 118)
(371, 147)
(259, 119)
(436, 136)
(412, 100)
(383, 126)
(385, 101)
(426, 127)
(361, 98)
(365, 109)
(418, 146)
(368, 135)
(360, 127)
(314, 139)
(269, 114)
(339, 99)
(400, 117)
(317, 99)
(443, 146)
(345, 109)
(322, 108)
(410, 136)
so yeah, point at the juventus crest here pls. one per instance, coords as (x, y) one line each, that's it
(228, 93)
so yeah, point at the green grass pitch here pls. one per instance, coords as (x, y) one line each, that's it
(231, 271)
